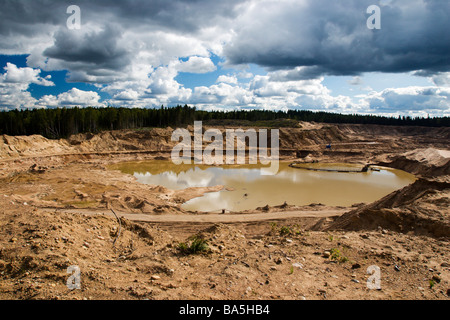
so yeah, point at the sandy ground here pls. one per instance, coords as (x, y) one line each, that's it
(56, 196)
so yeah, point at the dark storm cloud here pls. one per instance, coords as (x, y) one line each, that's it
(97, 48)
(22, 16)
(331, 37)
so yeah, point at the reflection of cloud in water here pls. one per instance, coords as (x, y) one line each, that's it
(295, 186)
(211, 201)
(191, 178)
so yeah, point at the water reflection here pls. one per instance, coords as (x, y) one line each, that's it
(248, 189)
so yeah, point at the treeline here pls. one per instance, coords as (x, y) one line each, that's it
(62, 122)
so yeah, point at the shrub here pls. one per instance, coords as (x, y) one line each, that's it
(337, 256)
(197, 245)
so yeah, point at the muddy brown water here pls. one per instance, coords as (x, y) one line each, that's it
(246, 188)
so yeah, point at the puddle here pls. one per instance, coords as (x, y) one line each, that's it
(248, 189)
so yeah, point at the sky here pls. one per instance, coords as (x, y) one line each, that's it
(231, 54)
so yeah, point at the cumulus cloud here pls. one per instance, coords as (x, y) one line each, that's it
(14, 85)
(227, 79)
(26, 75)
(196, 65)
(410, 99)
(72, 98)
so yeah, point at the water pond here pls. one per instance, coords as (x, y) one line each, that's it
(246, 188)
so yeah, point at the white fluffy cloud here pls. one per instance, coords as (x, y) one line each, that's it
(15, 75)
(196, 65)
(227, 79)
(412, 100)
(72, 98)
(14, 85)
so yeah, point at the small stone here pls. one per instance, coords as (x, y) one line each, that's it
(279, 260)
(445, 265)
(297, 265)
(436, 278)
(86, 244)
(273, 268)
(355, 281)
(396, 268)
(356, 266)
(13, 240)
(384, 231)
(326, 254)
(288, 240)
(155, 277)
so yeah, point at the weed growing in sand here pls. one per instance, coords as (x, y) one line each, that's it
(337, 256)
(284, 231)
(432, 283)
(197, 245)
(273, 226)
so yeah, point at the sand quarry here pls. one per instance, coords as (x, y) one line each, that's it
(56, 198)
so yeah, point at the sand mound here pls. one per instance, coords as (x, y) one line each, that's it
(425, 162)
(24, 146)
(123, 140)
(420, 208)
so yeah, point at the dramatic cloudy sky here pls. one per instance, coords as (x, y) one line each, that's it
(278, 55)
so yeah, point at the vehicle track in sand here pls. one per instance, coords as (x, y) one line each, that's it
(211, 217)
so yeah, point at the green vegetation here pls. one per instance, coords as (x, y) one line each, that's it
(284, 231)
(432, 283)
(337, 256)
(55, 123)
(197, 245)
